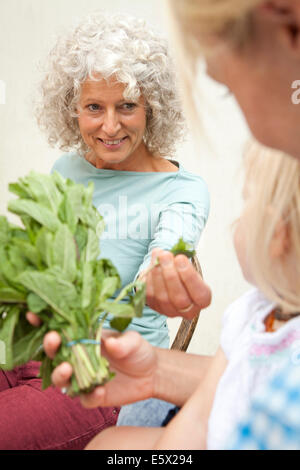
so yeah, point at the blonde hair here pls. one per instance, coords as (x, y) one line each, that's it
(272, 180)
(118, 46)
(198, 21)
(197, 27)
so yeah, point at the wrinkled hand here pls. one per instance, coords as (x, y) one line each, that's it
(129, 355)
(174, 287)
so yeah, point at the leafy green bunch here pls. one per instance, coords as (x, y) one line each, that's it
(50, 266)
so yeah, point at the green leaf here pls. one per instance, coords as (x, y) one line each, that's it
(32, 227)
(36, 211)
(60, 181)
(35, 303)
(6, 336)
(92, 249)
(45, 372)
(80, 238)
(109, 287)
(8, 270)
(184, 248)
(109, 269)
(138, 300)
(120, 324)
(16, 258)
(91, 217)
(11, 295)
(28, 251)
(71, 206)
(20, 189)
(28, 346)
(87, 285)
(43, 190)
(5, 235)
(56, 292)
(44, 241)
(64, 252)
(118, 310)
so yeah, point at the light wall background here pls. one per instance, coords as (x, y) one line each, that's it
(27, 31)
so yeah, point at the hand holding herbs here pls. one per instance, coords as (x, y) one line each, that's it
(51, 267)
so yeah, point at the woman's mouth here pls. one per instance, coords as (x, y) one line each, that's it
(112, 144)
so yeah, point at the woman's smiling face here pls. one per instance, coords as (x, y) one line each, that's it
(111, 126)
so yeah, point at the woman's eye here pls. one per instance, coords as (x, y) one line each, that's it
(93, 107)
(129, 106)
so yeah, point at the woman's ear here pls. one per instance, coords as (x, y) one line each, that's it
(280, 243)
(285, 15)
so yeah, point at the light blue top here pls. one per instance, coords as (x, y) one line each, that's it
(142, 211)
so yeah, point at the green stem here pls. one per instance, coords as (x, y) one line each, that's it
(130, 286)
(82, 368)
(83, 372)
(152, 266)
(98, 338)
(124, 292)
(77, 370)
(85, 360)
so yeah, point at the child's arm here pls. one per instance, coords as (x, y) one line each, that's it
(188, 430)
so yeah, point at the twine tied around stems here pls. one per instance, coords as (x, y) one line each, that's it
(82, 341)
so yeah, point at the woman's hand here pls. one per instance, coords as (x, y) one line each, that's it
(174, 287)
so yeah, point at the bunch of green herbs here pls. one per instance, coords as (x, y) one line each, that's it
(51, 266)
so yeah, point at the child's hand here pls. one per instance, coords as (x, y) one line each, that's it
(130, 356)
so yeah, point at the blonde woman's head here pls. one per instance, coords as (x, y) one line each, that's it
(267, 236)
(252, 47)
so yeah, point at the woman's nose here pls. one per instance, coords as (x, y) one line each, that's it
(111, 124)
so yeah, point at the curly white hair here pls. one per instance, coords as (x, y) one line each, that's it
(111, 45)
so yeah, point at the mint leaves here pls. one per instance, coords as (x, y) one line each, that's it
(183, 248)
(50, 265)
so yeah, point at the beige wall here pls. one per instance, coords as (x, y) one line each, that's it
(27, 29)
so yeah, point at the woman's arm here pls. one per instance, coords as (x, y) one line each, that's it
(188, 430)
(174, 284)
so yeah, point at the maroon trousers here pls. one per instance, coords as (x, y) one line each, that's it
(32, 419)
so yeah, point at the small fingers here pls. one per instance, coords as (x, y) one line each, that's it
(61, 375)
(122, 346)
(52, 342)
(93, 399)
(33, 319)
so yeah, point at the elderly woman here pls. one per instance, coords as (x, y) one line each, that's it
(108, 98)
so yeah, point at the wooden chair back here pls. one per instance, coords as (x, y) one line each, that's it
(187, 327)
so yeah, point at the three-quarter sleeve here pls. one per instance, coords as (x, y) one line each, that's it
(184, 220)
